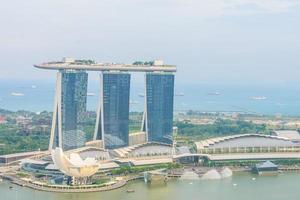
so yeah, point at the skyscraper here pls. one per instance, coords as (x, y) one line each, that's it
(112, 123)
(158, 116)
(113, 114)
(69, 112)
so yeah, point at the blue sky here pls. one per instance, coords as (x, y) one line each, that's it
(211, 41)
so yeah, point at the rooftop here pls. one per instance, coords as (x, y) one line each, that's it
(144, 150)
(36, 162)
(151, 161)
(289, 134)
(267, 164)
(90, 65)
(245, 140)
(23, 154)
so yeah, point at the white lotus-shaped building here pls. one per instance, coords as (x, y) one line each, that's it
(73, 165)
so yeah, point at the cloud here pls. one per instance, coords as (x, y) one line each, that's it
(117, 30)
(261, 6)
(214, 8)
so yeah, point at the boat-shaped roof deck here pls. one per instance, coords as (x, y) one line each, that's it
(93, 66)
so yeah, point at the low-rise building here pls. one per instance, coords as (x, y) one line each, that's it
(246, 143)
(18, 156)
(292, 135)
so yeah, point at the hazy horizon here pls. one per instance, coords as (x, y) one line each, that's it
(211, 41)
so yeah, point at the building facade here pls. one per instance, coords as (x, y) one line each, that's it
(113, 114)
(70, 110)
(159, 100)
(112, 123)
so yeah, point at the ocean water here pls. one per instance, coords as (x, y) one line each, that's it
(239, 187)
(39, 96)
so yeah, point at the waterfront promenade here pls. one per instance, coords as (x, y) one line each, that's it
(69, 189)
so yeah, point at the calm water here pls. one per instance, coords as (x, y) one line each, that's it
(283, 99)
(281, 187)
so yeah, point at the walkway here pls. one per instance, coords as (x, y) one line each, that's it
(66, 189)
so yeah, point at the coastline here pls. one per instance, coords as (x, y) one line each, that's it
(119, 184)
(68, 189)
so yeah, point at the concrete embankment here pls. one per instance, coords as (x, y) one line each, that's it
(68, 189)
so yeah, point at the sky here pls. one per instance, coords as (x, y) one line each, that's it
(211, 41)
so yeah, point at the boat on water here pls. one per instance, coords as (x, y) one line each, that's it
(214, 93)
(259, 98)
(130, 190)
(16, 94)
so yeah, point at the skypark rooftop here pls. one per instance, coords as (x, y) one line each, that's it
(90, 65)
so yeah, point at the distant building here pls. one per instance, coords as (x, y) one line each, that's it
(70, 107)
(113, 114)
(246, 143)
(292, 135)
(158, 116)
(18, 156)
(266, 167)
(23, 121)
(2, 120)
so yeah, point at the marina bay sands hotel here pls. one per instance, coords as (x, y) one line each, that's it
(112, 123)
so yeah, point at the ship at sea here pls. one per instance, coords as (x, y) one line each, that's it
(16, 94)
(259, 98)
(214, 93)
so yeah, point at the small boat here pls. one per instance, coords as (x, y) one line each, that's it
(214, 93)
(259, 98)
(11, 187)
(19, 94)
(130, 191)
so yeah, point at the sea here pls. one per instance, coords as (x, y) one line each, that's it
(244, 186)
(38, 96)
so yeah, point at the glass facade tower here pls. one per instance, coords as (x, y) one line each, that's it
(70, 112)
(159, 107)
(113, 120)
